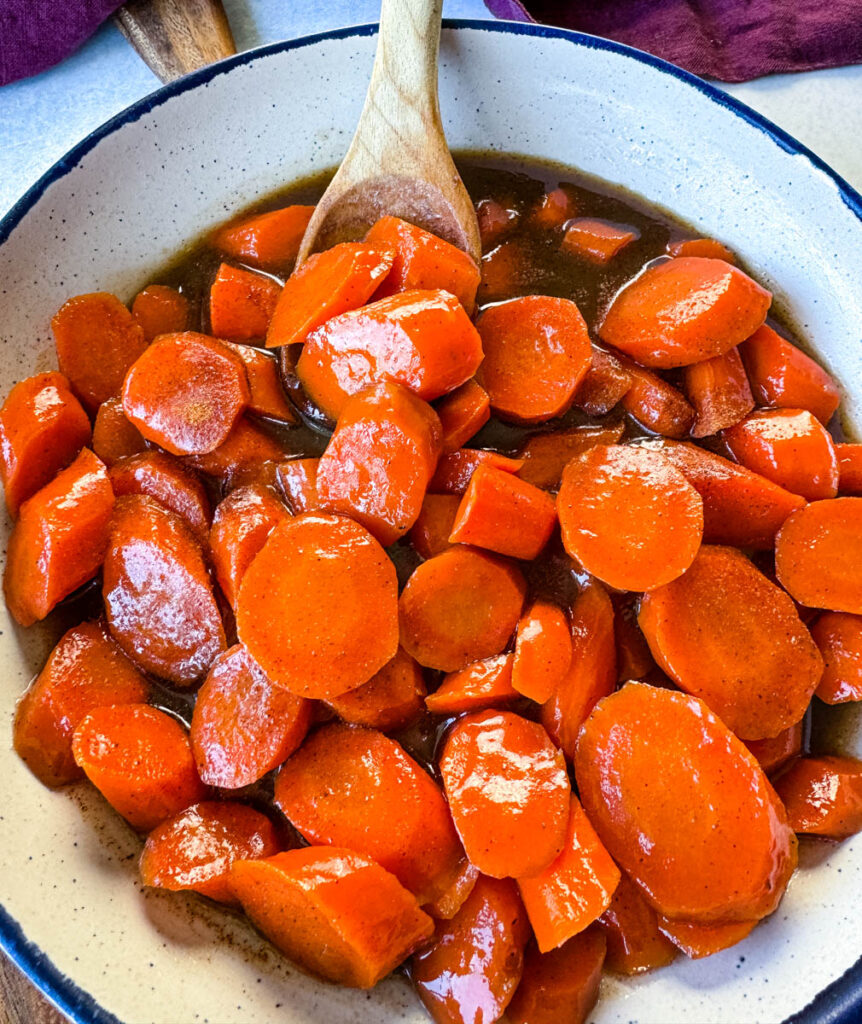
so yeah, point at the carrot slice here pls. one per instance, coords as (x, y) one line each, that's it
(656, 770)
(59, 540)
(243, 726)
(334, 912)
(823, 796)
(506, 271)
(656, 405)
(160, 310)
(776, 752)
(266, 240)
(354, 787)
(317, 608)
(169, 482)
(698, 940)
(459, 607)
(547, 455)
(429, 535)
(140, 760)
(818, 555)
(543, 651)
(839, 639)
(683, 311)
(455, 469)
(604, 385)
(445, 907)
(158, 596)
(42, 429)
(560, 987)
(849, 468)
(328, 284)
(267, 396)
(629, 517)
(630, 924)
(634, 660)
(495, 221)
(719, 391)
(380, 459)
(706, 248)
(537, 351)
(723, 632)
(596, 240)
(553, 210)
(463, 413)
(391, 699)
(114, 437)
(298, 480)
(484, 684)
(241, 303)
(246, 452)
(86, 670)
(97, 341)
(508, 792)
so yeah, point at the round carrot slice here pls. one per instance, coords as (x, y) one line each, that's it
(543, 651)
(391, 699)
(630, 924)
(823, 796)
(629, 517)
(839, 639)
(172, 484)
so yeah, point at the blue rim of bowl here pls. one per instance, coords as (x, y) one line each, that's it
(841, 1001)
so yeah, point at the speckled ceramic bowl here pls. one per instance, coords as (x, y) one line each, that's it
(133, 193)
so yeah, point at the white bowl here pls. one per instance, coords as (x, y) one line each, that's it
(172, 165)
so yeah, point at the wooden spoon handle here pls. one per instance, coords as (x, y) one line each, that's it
(404, 77)
(176, 36)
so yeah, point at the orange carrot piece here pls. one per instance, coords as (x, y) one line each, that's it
(543, 651)
(823, 796)
(445, 907)
(455, 469)
(267, 395)
(460, 607)
(333, 911)
(630, 924)
(560, 987)
(140, 760)
(596, 240)
(429, 535)
(849, 468)
(161, 310)
(547, 455)
(265, 240)
(776, 752)
(463, 413)
(317, 608)
(86, 670)
(719, 391)
(247, 451)
(698, 940)
(495, 221)
(706, 248)
(484, 684)
(241, 303)
(604, 385)
(656, 405)
(298, 480)
(634, 660)
(391, 699)
(59, 540)
(42, 429)
(505, 272)
(553, 210)
(839, 639)
(167, 481)
(114, 437)
(97, 341)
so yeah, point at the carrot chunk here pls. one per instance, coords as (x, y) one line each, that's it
(656, 771)
(334, 912)
(140, 760)
(683, 311)
(42, 429)
(698, 940)
(267, 396)
(241, 303)
(723, 632)
(114, 437)
(247, 450)
(508, 792)
(543, 651)
(298, 480)
(455, 469)
(553, 210)
(266, 240)
(839, 639)
(706, 248)
(495, 221)
(547, 455)
(196, 848)
(391, 699)
(630, 924)
(560, 987)
(506, 271)
(537, 351)
(169, 482)
(86, 670)
(656, 405)
(604, 385)
(161, 310)
(849, 468)
(429, 535)
(596, 240)
(158, 596)
(445, 907)
(463, 413)
(317, 608)
(97, 341)
(243, 726)
(719, 391)
(459, 607)
(484, 684)
(776, 752)
(823, 796)
(634, 660)
(59, 540)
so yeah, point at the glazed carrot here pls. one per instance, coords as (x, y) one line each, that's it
(455, 469)
(460, 607)
(818, 555)
(656, 770)
(634, 660)
(317, 608)
(849, 468)
(423, 260)
(241, 525)
(267, 395)
(445, 907)
(326, 285)
(537, 351)
(422, 340)
(707, 248)
(508, 792)
(241, 303)
(169, 482)
(243, 726)
(596, 240)
(683, 311)
(185, 393)
(42, 429)
(629, 517)
(593, 671)
(266, 240)
(247, 450)
(723, 632)
(782, 375)
(823, 796)
(160, 310)
(698, 940)
(789, 447)
(333, 911)
(547, 455)
(97, 341)
(553, 210)
(630, 924)
(60, 539)
(298, 480)
(719, 391)
(484, 684)
(495, 221)
(656, 405)
(391, 699)
(380, 459)
(505, 271)
(86, 670)
(354, 787)
(839, 639)
(454, 983)
(114, 437)
(560, 987)
(196, 848)
(429, 535)
(543, 651)
(140, 760)
(158, 596)
(775, 753)
(605, 384)
(463, 413)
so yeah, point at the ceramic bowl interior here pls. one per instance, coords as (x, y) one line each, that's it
(156, 177)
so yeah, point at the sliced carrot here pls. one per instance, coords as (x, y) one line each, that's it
(596, 240)
(776, 752)
(484, 684)
(543, 651)
(604, 386)
(698, 940)
(818, 555)
(537, 351)
(719, 391)
(463, 413)
(267, 395)
(114, 437)
(86, 670)
(241, 303)
(560, 987)
(429, 535)
(391, 699)
(298, 480)
(42, 429)
(460, 607)
(333, 911)
(683, 311)
(656, 405)
(455, 469)
(823, 796)
(656, 771)
(839, 639)
(505, 271)
(97, 341)
(59, 540)
(552, 210)
(634, 660)
(547, 455)
(317, 608)
(246, 452)
(706, 248)
(169, 482)
(243, 726)
(849, 468)
(630, 924)
(445, 907)
(266, 240)
(161, 310)
(158, 596)
(140, 760)
(495, 221)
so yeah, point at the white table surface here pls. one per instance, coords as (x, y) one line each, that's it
(41, 117)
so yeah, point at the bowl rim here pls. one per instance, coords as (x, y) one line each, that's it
(841, 1001)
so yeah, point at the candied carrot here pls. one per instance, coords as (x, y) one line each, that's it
(719, 391)
(161, 310)
(777, 752)
(391, 699)
(596, 240)
(697, 940)
(707, 248)
(543, 651)
(547, 455)
(265, 240)
(445, 907)
(455, 469)
(849, 468)
(630, 924)
(505, 271)
(298, 481)
(562, 986)
(114, 437)
(484, 684)
(165, 479)
(429, 535)
(839, 638)
(241, 303)
(463, 413)
(656, 405)
(267, 397)
(823, 796)
(495, 221)
(634, 660)
(553, 210)
(247, 449)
